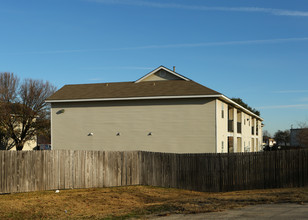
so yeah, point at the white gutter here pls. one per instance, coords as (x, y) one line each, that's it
(240, 107)
(224, 98)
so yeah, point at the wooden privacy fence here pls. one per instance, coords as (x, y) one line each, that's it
(47, 170)
(225, 172)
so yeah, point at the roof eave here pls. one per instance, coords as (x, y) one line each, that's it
(226, 99)
(133, 98)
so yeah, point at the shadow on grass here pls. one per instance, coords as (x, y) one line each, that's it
(159, 210)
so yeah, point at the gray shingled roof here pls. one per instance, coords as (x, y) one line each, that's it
(131, 89)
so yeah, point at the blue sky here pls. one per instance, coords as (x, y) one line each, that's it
(253, 49)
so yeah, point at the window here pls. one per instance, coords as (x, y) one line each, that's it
(222, 110)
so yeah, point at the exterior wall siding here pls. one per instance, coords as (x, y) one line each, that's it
(178, 126)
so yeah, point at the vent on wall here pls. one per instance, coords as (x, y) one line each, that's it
(61, 111)
(162, 73)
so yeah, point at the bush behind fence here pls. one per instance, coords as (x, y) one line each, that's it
(66, 169)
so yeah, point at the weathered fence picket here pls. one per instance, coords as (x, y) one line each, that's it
(65, 169)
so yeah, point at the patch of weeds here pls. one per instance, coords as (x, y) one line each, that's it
(14, 215)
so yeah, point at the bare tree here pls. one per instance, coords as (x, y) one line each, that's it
(282, 137)
(8, 87)
(266, 136)
(245, 105)
(4, 140)
(23, 111)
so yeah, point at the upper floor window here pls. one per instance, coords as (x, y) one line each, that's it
(222, 110)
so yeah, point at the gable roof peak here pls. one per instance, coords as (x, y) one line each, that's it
(158, 69)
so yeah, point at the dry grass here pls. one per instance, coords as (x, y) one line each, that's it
(134, 201)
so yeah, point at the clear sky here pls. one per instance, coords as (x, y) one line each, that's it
(253, 49)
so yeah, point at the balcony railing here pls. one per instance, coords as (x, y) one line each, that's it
(239, 127)
(230, 126)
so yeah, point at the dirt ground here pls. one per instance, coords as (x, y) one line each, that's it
(135, 202)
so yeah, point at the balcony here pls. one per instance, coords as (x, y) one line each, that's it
(230, 126)
(239, 127)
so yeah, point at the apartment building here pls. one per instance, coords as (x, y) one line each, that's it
(162, 111)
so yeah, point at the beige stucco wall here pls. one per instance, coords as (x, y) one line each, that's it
(246, 133)
(247, 139)
(178, 125)
(222, 127)
(252, 142)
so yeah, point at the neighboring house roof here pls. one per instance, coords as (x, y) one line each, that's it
(178, 87)
(298, 129)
